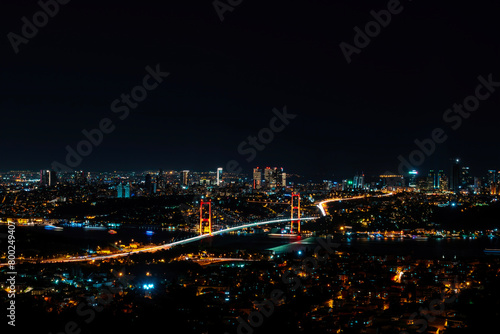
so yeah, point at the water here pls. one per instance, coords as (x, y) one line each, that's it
(38, 240)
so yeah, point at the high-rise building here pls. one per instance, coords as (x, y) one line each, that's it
(274, 178)
(257, 178)
(465, 177)
(123, 190)
(126, 190)
(358, 181)
(219, 176)
(48, 178)
(119, 191)
(278, 178)
(442, 181)
(148, 183)
(413, 174)
(477, 184)
(160, 181)
(491, 177)
(432, 180)
(185, 178)
(268, 177)
(44, 177)
(455, 176)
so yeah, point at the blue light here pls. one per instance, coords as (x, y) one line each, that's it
(300, 252)
(149, 233)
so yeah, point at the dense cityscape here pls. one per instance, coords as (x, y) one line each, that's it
(371, 254)
(249, 167)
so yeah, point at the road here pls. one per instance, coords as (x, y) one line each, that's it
(322, 203)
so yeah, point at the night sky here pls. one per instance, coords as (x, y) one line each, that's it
(226, 77)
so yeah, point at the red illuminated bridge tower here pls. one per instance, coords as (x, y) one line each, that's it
(205, 217)
(295, 209)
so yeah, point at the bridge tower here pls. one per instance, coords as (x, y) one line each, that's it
(295, 209)
(205, 217)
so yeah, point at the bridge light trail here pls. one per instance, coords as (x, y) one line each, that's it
(151, 249)
(321, 204)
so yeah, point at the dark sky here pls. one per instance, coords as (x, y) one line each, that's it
(227, 76)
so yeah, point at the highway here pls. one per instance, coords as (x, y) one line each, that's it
(322, 203)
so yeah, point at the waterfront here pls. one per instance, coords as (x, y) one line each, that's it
(78, 240)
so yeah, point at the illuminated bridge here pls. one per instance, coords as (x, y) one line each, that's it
(151, 249)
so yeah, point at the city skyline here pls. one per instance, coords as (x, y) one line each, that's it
(211, 89)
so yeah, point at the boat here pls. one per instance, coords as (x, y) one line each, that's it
(492, 251)
(52, 227)
(87, 227)
(112, 232)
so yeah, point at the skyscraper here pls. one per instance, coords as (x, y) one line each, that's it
(126, 190)
(432, 180)
(413, 178)
(44, 177)
(491, 177)
(148, 184)
(268, 177)
(278, 178)
(123, 190)
(219, 176)
(455, 176)
(48, 178)
(257, 178)
(160, 182)
(185, 178)
(358, 181)
(119, 191)
(442, 181)
(465, 178)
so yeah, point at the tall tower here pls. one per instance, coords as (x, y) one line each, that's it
(455, 176)
(219, 176)
(185, 178)
(295, 209)
(119, 191)
(413, 178)
(442, 181)
(205, 217)
(432, 182)
(268, 177)
(48, 178)
(257, 178)
(148, 185)
(491, 178)
(126, 190)
(159, 180)
(44, 177)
